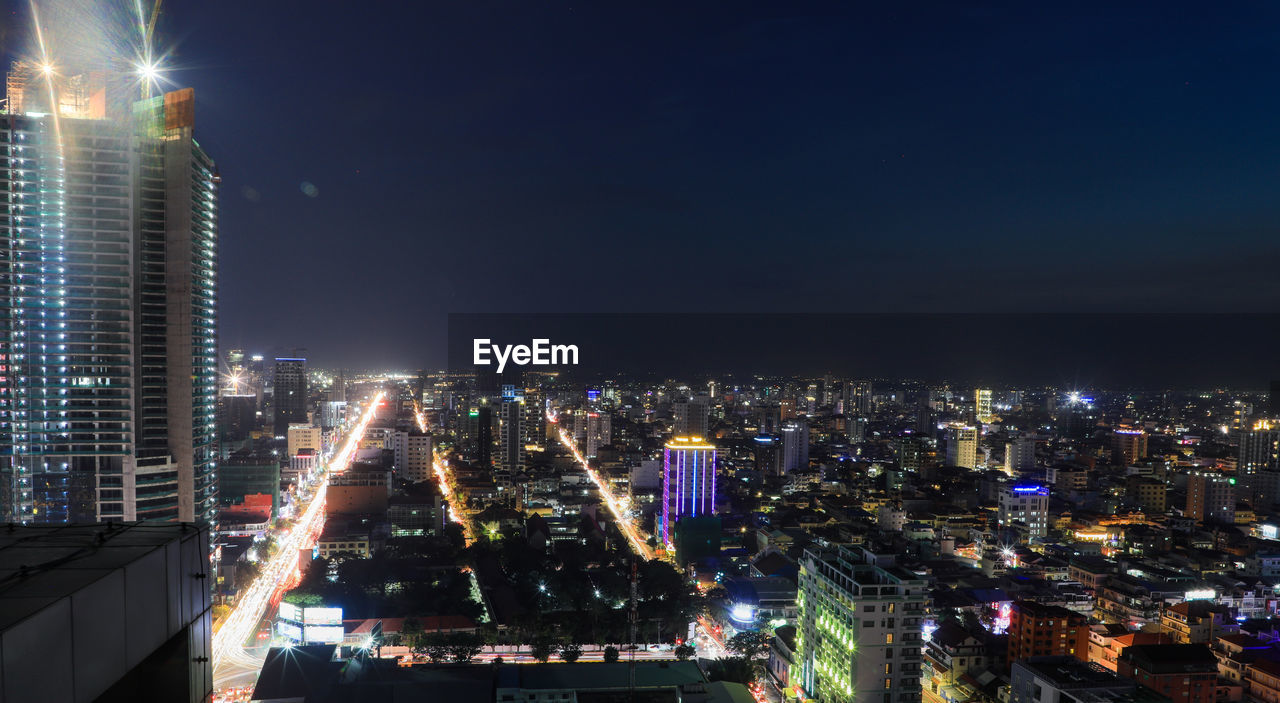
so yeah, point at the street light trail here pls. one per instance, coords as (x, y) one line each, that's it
(451, 497)
(229, 654)
(637, 539)
(441, 470)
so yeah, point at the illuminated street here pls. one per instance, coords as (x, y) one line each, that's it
(441, 469)
(637, 539)
(457, 511)
(234, 665)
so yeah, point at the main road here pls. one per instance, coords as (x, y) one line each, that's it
(233, 664)
(637, 539)
(453, 502)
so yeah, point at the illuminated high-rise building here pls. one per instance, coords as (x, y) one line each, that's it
(535, 418)
(962, 446)
(109, 225)
(911, 451)
(511, 417)
(690, 416)
(1258, 464)
(1259, 448)
(1211, 498)
(982, 405)
(1020, 455)
(1025, 508)
(857, 399)
(859, 630)
(688, 483)
(795, 447)
(599, 432)
(1128, 445)
(289, 397)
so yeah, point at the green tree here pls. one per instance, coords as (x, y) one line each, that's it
(571, 652)
(434, 645)
(611, 654)
(464, 647)
(410, 632)
(685, 651)
(749, 644)
(542, 649)
(737, 669)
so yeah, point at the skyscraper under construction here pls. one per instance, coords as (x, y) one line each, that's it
(108, 292)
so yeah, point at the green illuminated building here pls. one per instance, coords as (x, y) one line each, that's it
(858, 635)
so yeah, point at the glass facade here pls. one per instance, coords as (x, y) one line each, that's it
(66, 381)
(108, 324)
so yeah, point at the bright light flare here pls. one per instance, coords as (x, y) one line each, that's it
(149, 70)
(47, 69)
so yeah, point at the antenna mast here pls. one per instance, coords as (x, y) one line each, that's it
(634, 617)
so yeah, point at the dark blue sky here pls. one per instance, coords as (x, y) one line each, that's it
(595, 156)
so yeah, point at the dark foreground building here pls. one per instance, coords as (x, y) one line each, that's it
(105, 612)
(311, 675)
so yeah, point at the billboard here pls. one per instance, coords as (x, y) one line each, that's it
(323, 634)
(322, 616)
(289, 630)
(289, 611)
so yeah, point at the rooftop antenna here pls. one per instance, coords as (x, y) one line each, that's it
(633, 616)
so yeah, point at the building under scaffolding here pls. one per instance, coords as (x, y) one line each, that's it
(87, 95)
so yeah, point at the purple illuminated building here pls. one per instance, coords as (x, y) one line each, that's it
(688, 483)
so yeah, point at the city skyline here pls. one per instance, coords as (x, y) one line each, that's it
(963, 389)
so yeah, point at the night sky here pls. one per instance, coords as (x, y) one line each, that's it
(386, 163)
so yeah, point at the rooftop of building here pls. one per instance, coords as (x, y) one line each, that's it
(1266, 666)
(1171, 658)
(40, 565)
(1044, 610)
(1197, 608)
(599, 675)
(1243, 641)
(755, 590)
(1110, 695)
(295, 672)
(951, 634)
(1068, 673)
(310, 673)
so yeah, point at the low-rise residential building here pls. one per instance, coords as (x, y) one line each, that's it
(1106, 644)
(1037, 630)
(1184, 673)
(1262, 681)
(953, 652)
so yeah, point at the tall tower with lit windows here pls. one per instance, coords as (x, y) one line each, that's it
(108, 293)
(688, 483)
